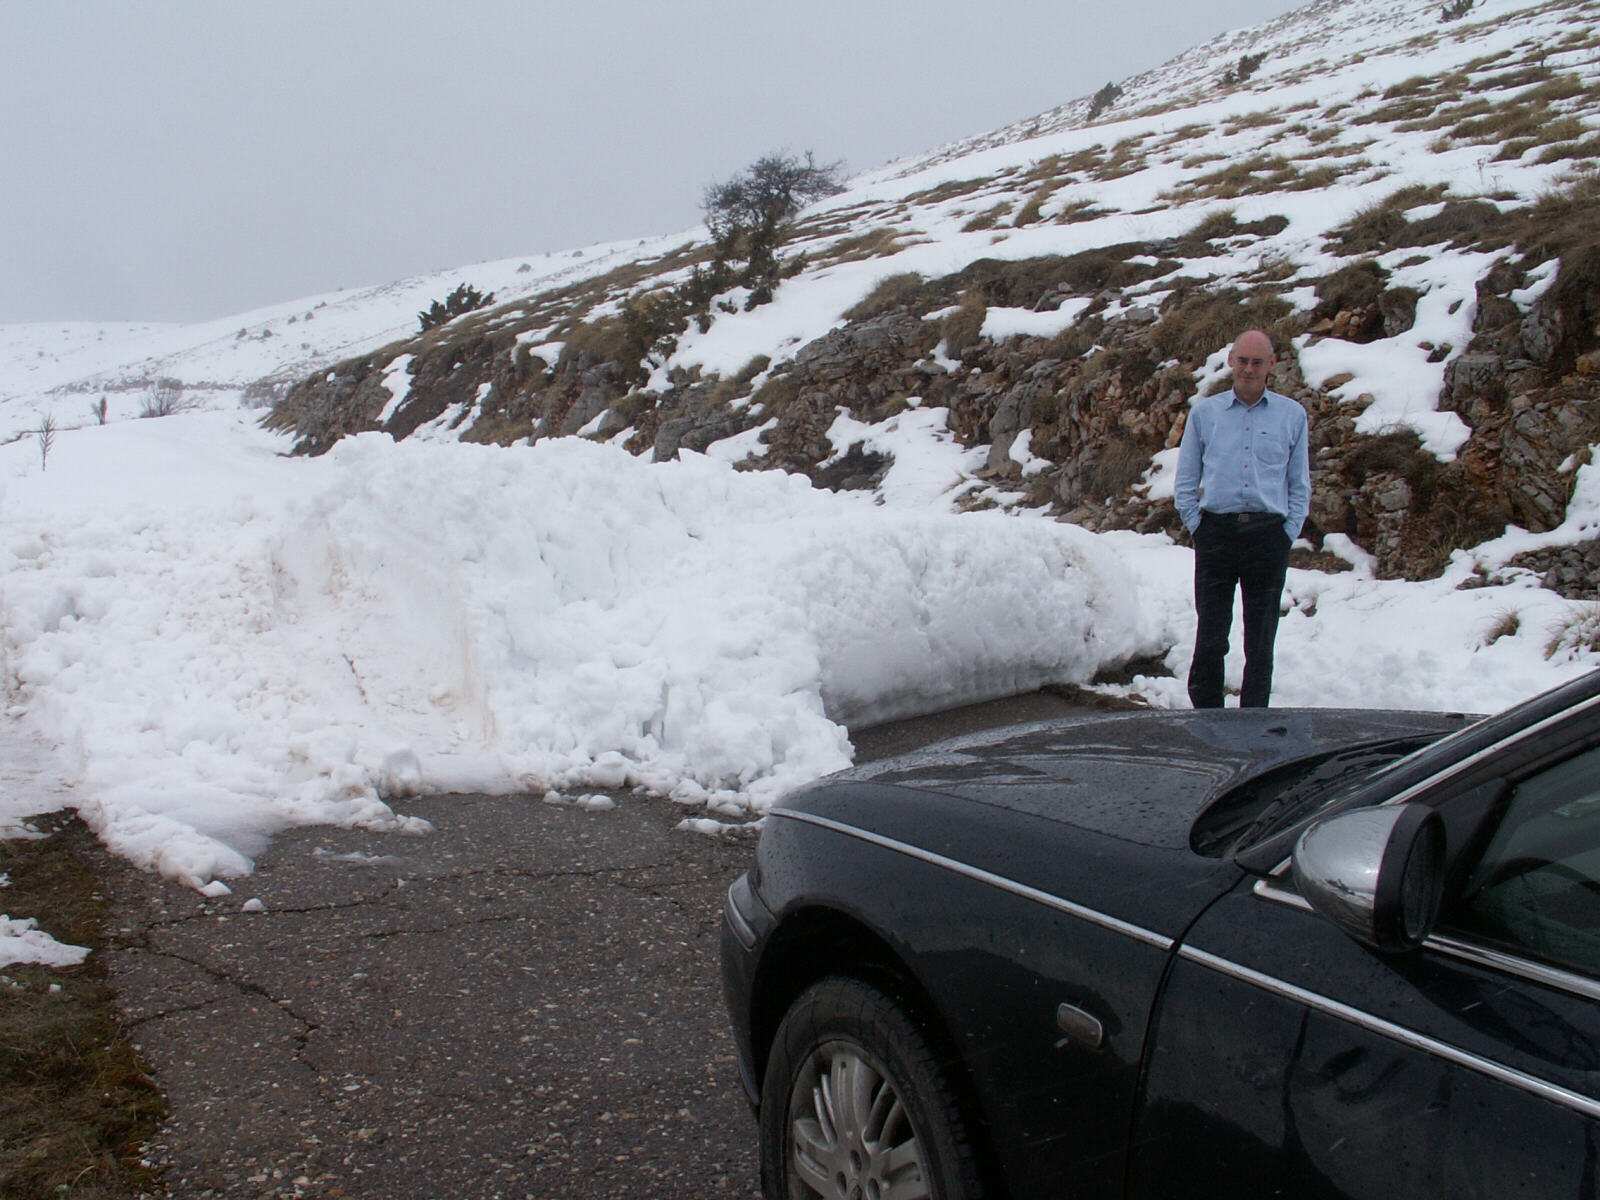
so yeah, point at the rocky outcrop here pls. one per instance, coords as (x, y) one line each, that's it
(1574, 571)
(1096, 402)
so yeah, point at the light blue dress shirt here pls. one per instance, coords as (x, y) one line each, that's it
(1238, 457)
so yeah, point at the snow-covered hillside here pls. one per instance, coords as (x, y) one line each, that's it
(61, 370)
(204, 638)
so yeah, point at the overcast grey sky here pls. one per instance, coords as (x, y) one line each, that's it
(188, 159)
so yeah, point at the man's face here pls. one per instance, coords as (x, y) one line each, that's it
(1252, 361)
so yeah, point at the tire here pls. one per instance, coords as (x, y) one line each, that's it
(855, 1105)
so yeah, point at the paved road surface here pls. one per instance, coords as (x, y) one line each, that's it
(524, 1003)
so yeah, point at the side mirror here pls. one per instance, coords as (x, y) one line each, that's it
(1376, 873)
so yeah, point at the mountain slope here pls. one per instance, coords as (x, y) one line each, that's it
(1389, 193)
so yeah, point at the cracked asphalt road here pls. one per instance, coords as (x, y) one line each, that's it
(523, 1003)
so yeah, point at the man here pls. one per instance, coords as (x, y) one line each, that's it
(1243, 491)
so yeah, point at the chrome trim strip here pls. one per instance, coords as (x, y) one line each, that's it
(1511, 964)
(1138, 933)
(1482, 956)
(1576, 1101)
(1473, 760)
(1268, 890)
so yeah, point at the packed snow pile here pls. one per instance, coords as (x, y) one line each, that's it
(226, 640)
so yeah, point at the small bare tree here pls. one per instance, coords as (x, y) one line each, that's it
(166, 399)
(46, 435)
(770, 191)
(748, 213)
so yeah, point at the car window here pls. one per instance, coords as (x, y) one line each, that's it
(1536, 890)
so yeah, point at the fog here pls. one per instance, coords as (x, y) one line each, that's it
(185, 160)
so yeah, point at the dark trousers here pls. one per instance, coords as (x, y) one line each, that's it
(1252, 554)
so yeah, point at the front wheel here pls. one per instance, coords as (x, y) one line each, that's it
(856, 1107)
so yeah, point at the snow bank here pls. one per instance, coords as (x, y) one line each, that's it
(228, 641)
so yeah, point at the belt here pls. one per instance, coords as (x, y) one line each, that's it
(1242, 518)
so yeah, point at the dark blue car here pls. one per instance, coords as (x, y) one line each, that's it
(1243, 953)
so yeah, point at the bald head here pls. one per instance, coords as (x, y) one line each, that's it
(1252, 359)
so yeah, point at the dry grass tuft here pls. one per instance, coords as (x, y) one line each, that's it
(1577, 633)
(1117, 465)
(874, 243)
(951, 189)
(1196, 326)
(987, 219)
(962, 328)
(77, 1105)
(1505, 624)
(897, 291)
(1263, 174)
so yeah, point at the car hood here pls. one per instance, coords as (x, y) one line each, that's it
(1097, 810)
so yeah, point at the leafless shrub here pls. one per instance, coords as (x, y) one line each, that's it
(264, 393)
(164, 399)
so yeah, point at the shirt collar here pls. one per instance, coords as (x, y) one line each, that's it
(1234, 399)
